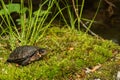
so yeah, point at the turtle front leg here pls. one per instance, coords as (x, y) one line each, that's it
(25, 62)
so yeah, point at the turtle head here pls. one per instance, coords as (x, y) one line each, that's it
(42, 51)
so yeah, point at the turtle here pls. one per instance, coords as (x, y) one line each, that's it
(24, 55)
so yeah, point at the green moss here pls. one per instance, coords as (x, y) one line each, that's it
(69, 52)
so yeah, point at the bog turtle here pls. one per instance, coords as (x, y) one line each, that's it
(24, 55)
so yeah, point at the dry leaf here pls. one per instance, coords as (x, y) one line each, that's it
(93, 69)
(71, 48)
(96, 68)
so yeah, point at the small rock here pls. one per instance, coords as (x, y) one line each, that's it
(118, 75)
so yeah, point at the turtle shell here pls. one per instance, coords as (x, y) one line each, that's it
(24, 55)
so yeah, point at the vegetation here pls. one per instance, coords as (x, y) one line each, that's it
(70, 50)
(31, 28)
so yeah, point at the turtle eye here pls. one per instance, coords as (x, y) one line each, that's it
(42, 51)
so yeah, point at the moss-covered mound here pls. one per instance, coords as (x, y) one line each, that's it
(69, 54)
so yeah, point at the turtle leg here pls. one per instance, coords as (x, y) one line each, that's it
(25, 62)
(33, 58)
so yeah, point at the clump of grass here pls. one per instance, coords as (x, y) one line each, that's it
(32, 28)
(72, 15)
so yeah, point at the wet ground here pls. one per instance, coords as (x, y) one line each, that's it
(105, 26)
